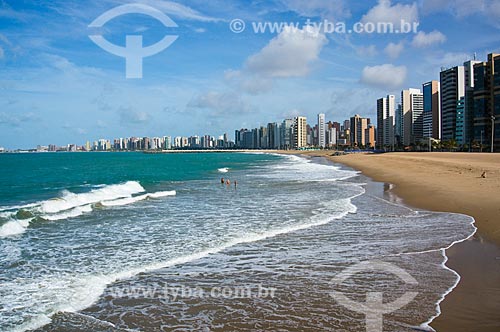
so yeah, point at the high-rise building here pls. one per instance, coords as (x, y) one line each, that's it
(273, 136)
(358, 127)
(412, 117)
(487, 101)
(452, 89)
(286, 134)
(398, 128)
(386, 122)
(417, 113)
(370, 136)
(468, 129)
(321, 131)
(332, 136)
(300, 132)
(167, 142)
(432, 110)
(460, 122)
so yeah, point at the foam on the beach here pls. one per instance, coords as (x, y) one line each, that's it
(91, 287)
(13, 227)
(131, 200)
(70, 200)
(223, 170)
(426, 325)
(72, 205)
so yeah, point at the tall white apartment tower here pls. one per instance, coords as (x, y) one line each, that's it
(412, 108)
(300, 132)
(321, 131)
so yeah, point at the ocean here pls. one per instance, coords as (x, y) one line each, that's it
(155, 242)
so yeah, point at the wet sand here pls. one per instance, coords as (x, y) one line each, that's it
(452, 182)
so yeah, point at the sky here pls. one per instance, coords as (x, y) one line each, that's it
(59, 87)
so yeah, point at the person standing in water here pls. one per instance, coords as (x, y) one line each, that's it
(235, 184)
(228, 182)
(222, 181)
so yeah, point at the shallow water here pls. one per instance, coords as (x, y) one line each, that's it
(290, 226)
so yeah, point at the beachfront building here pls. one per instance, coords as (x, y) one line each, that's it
(386, 122)
(460, 122)
(468, 129)
(358, 127)
(412, 107)
(300, 132)
(370, 136)
(452, 89)
(321, 130)
(487, 101)
(417, 117)
(432, 110)
(332, 136)
(286, 133)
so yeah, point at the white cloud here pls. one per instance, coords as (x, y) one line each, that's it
(2, 53)
(369, 51)
(384, 12)
(221, 103)
(464, 8)
(422, 39)
(385, 76)
(394, 50)
(130, 116)
(325, 9)
(179, 10)
(17, 120)
(459, 8)
(449, 59)
(290, 54)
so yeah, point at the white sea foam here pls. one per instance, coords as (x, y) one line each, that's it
(17, 207)
(426, 325)
(72, 205)
(87, 289)
(72, 213)
(223, 170)
(131, 200)
(14, 227)
(70, 200)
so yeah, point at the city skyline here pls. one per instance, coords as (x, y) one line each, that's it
(57, 86)
(461, 114)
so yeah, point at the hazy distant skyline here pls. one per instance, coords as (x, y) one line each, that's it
(58, 87)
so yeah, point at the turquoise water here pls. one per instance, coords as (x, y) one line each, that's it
(74, 225)
(30, 177)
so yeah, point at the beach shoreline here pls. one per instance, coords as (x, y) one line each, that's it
(450, 182)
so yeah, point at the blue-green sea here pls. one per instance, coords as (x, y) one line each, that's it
(75, 227)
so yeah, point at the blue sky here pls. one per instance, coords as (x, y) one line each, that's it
(58, 87)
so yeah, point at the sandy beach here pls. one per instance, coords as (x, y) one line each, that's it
(451, 182)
